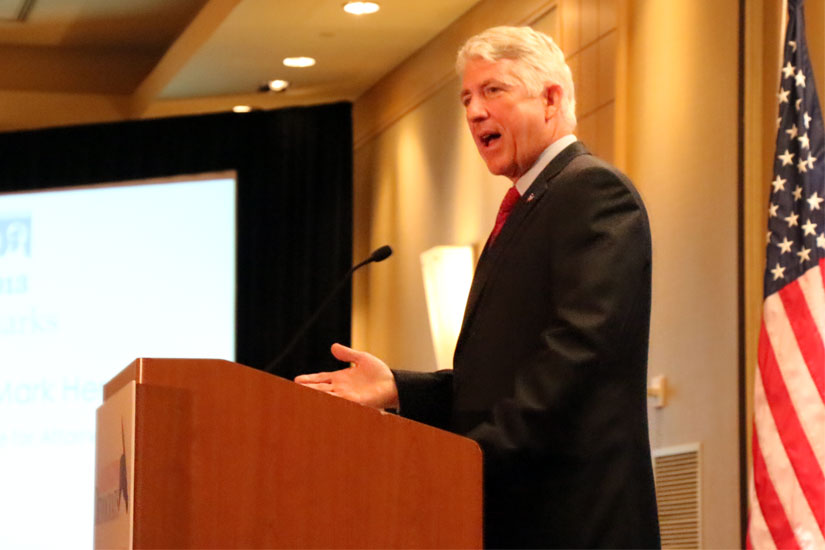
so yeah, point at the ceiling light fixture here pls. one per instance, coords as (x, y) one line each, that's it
(299, 61)
(361, 8)
(276, 85)
(241, 109)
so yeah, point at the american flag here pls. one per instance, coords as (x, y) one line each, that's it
(787, 488)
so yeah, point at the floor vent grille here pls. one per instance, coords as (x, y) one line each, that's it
(677, 471)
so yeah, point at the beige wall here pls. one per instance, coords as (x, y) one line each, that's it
(420, 182)
(682, 144)
(672, 123)
(589, 38)
(657, 83)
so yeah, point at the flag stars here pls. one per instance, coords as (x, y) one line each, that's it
(792, 220)
(809, 162)
(787, 158)
(809, 228)
(778, 272)
(815, 200)
(792, 132)
(795, 228)
(784, 246)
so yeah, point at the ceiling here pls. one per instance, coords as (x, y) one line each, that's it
(150, 52)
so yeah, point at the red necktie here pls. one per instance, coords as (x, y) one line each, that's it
(507, 204)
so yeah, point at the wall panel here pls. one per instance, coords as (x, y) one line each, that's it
(681, 142)
(657, 83)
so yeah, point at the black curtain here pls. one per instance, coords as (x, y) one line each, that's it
(294, 170)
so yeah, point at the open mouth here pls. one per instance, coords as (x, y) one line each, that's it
(487, 139)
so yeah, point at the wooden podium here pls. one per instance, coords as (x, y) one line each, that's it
(200, 453)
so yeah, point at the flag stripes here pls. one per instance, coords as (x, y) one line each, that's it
(774, 512)
(813, 287)
(788, 481)
(781, 496)
(805, 399)
(792, 435)
(805, 333)
(758, 529)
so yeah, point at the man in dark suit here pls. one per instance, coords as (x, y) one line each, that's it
(550, 367)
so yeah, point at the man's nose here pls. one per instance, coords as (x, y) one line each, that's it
(475, 110)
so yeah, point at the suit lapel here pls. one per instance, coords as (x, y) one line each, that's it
(492, 256)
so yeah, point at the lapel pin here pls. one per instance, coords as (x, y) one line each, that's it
(530, 197)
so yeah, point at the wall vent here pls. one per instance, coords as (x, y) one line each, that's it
(677, 471)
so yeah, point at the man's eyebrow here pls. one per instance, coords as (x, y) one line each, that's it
(504, 80)
(485, 83)
(498, 81)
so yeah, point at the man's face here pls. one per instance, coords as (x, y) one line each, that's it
(509, 127)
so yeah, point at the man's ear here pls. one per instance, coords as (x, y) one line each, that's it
(551, 96)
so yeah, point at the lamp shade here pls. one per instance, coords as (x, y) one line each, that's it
(448, 273)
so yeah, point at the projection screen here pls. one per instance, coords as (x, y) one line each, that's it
(90, 279)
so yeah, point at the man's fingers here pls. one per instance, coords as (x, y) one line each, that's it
(315, 378)
(343, 353)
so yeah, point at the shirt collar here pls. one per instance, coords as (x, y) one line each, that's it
(527, 179)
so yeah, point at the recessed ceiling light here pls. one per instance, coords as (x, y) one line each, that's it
(299, 62)
(277, 85)
(241, 109)
(361, 8)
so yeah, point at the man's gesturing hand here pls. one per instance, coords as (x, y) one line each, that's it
(367, 381)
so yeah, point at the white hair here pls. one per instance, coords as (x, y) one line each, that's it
(538, 61)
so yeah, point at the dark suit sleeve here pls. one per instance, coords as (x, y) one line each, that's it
(425, 396)
(580, 390)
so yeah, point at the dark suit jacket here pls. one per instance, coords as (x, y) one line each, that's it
(550, 368)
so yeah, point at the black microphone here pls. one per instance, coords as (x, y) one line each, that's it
(378, 255)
